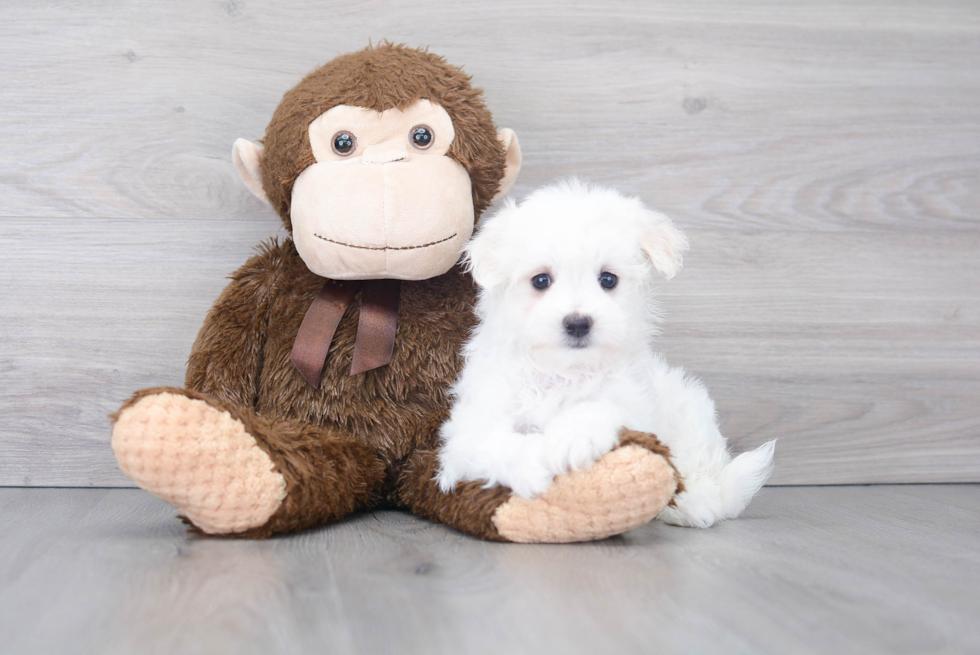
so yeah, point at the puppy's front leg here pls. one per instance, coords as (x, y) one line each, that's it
(476, 447)
(580, 434)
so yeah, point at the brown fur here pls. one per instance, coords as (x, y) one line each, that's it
(380, 78)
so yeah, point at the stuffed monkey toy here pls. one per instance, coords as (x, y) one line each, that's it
(319, 380)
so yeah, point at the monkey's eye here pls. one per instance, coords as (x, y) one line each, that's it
(344, 143)
(422, 137)
(607, 280)
(541, 282)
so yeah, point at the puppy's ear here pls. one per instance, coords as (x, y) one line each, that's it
(483, 254)
(661, 242)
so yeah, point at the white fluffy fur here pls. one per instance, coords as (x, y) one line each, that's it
(529, 405)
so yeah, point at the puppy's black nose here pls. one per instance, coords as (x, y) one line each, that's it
(577, 325)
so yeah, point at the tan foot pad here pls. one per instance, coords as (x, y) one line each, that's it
(200, 460)
(626, 488)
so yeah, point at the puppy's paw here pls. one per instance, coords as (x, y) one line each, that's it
(446, 479)
(581, 435)
(529, 478)
(699, 506)
(500, 457)
(586, 448)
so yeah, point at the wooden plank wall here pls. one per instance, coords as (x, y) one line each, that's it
(824, 158)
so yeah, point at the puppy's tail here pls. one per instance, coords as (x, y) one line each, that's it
(742, 478)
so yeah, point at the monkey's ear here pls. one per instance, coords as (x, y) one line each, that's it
(662, 243)
(248, 162)
(512, 161)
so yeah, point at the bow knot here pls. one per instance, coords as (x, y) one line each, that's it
(376, 326)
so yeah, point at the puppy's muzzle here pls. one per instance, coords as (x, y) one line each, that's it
(577, 326)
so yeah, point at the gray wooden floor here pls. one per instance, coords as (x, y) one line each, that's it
(885, 569)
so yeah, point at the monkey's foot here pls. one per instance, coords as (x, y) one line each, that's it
(628, 487)
(199, 459)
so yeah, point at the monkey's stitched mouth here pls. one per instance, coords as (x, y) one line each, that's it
(424, 245)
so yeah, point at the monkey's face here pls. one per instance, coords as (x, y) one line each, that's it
(384, 199)
(371, 191)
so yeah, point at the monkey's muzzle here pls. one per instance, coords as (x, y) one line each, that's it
(405, 220)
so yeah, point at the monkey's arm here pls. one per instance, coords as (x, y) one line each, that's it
(626, 488)
(226, 359)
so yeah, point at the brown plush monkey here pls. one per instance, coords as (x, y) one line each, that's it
(379, 164)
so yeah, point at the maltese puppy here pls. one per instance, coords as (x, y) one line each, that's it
(562, 359)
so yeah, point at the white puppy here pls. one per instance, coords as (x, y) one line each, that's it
(562, 357)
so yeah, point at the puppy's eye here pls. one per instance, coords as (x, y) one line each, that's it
(422, 137)
(344, 143)
(541, 282)
(608, 280)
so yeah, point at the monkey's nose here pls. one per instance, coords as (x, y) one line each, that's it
(577, 325)
(384, 153)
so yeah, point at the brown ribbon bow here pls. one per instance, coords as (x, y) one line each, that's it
(376, 326)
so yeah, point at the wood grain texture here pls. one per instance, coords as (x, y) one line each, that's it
(858, 351)
(822, 156)
(888, 569)
(830, 115)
